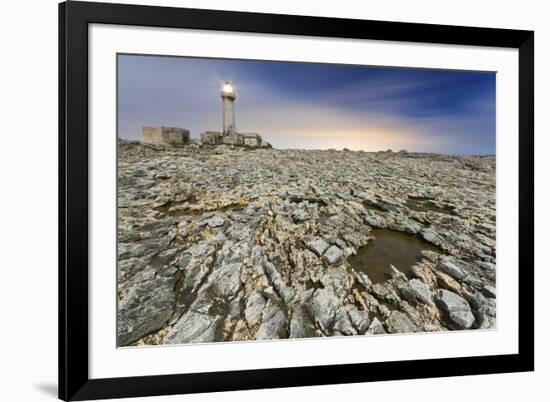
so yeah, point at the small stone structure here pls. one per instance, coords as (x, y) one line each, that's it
(166, 135)
(212, 138)
(252, 139)
(233, 139)
(238, 139)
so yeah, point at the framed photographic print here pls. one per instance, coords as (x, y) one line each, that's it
(256, 200)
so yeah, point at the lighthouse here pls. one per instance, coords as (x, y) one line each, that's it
(228, 109)
(229, 134)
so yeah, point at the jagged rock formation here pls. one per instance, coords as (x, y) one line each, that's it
(229, 244)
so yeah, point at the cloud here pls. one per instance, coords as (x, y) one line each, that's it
(390, 110)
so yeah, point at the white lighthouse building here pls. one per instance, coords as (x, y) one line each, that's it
(229, 134)
(228, 109)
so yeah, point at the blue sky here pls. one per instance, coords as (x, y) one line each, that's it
(314, 106)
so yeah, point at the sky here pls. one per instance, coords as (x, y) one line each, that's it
(313, 105)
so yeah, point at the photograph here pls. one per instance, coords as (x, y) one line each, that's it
(268, 200)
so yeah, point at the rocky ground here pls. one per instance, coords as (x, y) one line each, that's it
(231, 244)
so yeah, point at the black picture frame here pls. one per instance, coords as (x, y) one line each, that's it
(74, 18)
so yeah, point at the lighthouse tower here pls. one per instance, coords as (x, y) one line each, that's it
(228, 108)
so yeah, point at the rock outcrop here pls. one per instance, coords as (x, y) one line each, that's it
(227, 244)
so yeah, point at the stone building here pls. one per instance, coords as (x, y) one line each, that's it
(252, 139)
(212, 138)
(238, 139)
(166, 135)
(233, 139)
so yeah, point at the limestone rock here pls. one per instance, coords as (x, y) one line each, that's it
(342, 323)
(300, 324)
(254, 307)
(376, 327)
(457, 308)
(399, 323)
(417, 291)
(146, 308)
(195, 327)
(318, 246)
(333, 254)
(430, 235)
(322, 307)
(489, 291)
(273, 324)
(337, 281)
(360, 320)
(450, 268)
(284, 291)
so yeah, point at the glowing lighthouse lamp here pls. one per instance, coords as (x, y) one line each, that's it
(228, 104)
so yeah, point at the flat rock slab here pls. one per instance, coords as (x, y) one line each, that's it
(399, 323)
(333, 254)
(458, 309)
(318, 246)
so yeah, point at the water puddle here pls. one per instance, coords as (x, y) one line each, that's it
(389, 247)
